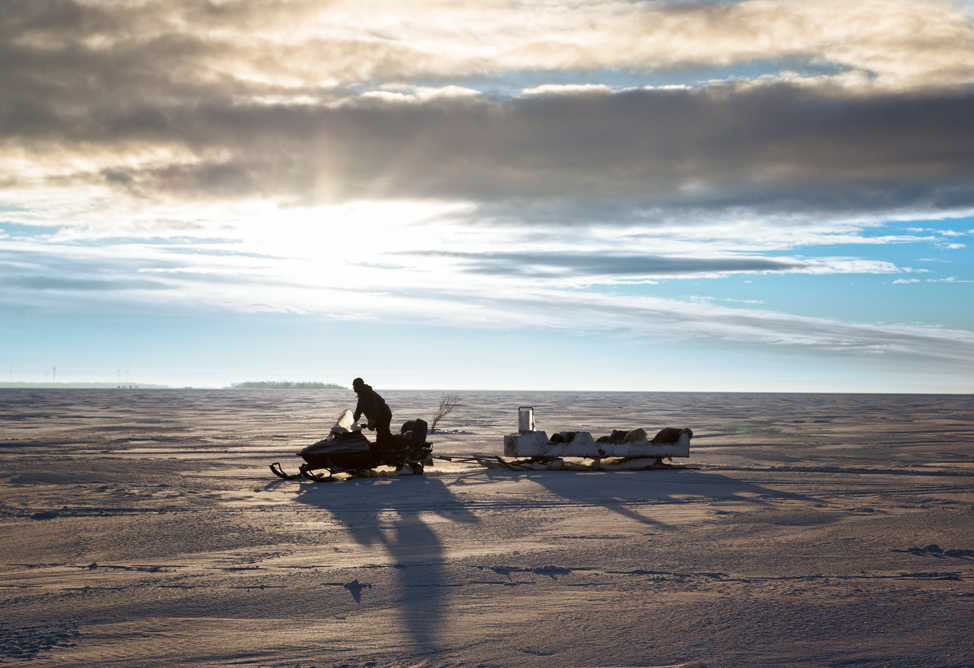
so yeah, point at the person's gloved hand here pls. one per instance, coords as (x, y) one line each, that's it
(371, 424)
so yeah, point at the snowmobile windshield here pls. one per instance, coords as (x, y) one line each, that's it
(346, 420)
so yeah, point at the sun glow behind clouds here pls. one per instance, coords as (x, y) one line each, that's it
(497, 165)
(359, 247)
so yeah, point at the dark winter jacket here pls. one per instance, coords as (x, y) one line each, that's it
(371, 404)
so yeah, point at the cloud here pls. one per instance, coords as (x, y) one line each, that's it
(486, 290)
(304, 45)
(305, 102)
(61, 284)
(37, 269)
(657, 319)
(608, 266)
(538, 132)
(776, 147)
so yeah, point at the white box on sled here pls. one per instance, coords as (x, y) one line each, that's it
(537, 444)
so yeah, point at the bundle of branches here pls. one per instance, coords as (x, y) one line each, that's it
(448, 402)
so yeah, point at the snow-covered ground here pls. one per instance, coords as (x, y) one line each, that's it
(143, 528)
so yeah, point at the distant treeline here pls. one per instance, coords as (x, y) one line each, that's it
(285, 385)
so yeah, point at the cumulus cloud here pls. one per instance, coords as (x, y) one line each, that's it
(305, 44)
(776, 147)
(303, 102)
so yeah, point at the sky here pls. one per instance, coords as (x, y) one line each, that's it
(768, 195)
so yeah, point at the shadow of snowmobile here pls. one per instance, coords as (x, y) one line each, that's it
(347, 450)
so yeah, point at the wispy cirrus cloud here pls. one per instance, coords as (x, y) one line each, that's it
(662, 319)
(607, 266)
(487, 290)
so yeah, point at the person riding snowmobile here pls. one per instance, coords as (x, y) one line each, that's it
(376, 411)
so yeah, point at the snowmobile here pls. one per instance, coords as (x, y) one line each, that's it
(347, 450)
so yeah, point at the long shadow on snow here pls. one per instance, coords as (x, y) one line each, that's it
(387, 513)
(617, 490)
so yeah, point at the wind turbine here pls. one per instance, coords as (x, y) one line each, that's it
(118, 376)
(55, 373)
